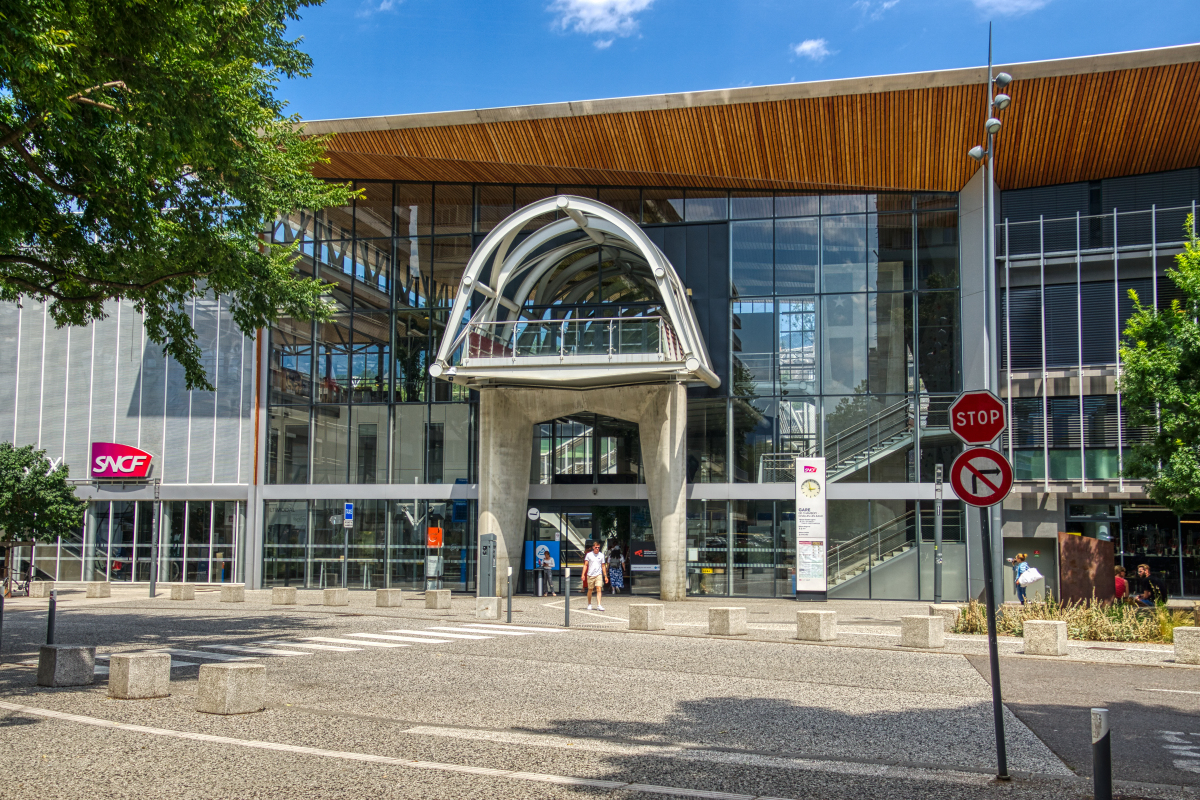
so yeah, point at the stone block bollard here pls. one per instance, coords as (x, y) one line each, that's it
(183, 591)
(949, 613)
(1187, 645)
(1045, 638)
(1195, 613)
(237, 688)
(99, 589)
(437, 598)
(487, 608)
(924, 632)
(40, 588)
(283, 596)
(66, 665)
(816, 626)
(336, 597)
(727, 621)
(647, 617)
(389, 598)
(233, 593)
(139, 676)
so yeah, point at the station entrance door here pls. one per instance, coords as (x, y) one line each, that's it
(566, 531)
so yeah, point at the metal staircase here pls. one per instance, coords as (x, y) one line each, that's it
(850, 558)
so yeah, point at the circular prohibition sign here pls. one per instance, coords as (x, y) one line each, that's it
(981, 476)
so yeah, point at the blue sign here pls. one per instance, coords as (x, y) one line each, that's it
(536, 551)
(349, 511)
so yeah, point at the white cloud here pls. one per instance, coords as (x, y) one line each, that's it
(875, 9)
(602, 44)
(372, 7)
(612, 17)
(816, 49)
(1009, 8)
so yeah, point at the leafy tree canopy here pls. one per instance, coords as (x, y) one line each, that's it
(36, 502)
(1160, 387)
(142, 154)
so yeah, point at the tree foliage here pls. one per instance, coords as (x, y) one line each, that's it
(1160, 387)
(36, 502)
(143, 153)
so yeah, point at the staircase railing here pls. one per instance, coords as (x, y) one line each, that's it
(568, 338)
(879, 542)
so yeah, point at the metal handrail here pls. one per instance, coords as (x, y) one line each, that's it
(862, 543)
(566, 339)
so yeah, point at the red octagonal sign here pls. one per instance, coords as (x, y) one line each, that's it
(977, 417)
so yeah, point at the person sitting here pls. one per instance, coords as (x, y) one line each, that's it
(1148, 590)
(1121, 587)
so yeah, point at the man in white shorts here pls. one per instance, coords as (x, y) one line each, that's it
(594, 575)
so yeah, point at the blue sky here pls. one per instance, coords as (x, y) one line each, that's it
(375, 57)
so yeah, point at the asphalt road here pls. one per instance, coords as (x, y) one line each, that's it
(479, 713)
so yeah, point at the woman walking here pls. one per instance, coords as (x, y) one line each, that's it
(616, 570)
(1019, 569)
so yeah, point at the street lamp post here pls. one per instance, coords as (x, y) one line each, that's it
(993, 546)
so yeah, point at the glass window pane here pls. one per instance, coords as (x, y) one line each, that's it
(449, 442)
(798, 345)
(844, 254)
(450, 258)
(706, 205)
(495, 203)
(843, 203)
(336, 223)
(291, 362)
(453, 208)
(531, 194)
(414, 262)
(120, 566)
(796, 255)
(335, 266)
(589, 192)
(750, 205)
(371, 358)
(937, 250)
(333, 359)
(373, 210)
(412, 354)
(708, 547)
(626, 200)
(754, 345)
(799, 430)
(406, 545)
(414, 209)
(753, 437)
(225, 523)
(892, 270)
(368, 444)
(753, 547)
(287, 445)
(706, 439)
(937, 341)
(328, 545)
(844, 343)
(849, 435)
(797, 205)
(373, 273)
(408, 444)
(752, 258)
(889, 338)
(894, 201)
(285, 540)
(199, 529)
(330, 459)
(662, 205)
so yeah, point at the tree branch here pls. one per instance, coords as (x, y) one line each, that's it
(36, 169)
(14, 134)
(64, 275)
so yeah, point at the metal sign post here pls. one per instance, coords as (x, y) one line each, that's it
(937, 534)
(154, 528)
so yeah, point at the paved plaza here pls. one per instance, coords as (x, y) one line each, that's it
(409, 702)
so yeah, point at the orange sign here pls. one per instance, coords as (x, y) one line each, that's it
(433, 538)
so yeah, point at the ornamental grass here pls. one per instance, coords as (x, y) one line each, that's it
(1088, 621)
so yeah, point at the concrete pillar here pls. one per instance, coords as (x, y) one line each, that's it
(505, 452)
(662, 428)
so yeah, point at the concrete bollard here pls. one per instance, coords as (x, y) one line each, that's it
(237, 688)
(183, 591)
(1195, 613)
(40, 588)
(437, 598)
(647, 617)
(139, 676)
(924, 632)
(816, 626)
(233, 593)
(336, 597)
(283, 596)
(487, 608)
(947, 612)
(99, 589)
(1187, 645)
(1045, 638)
(66, 665)
(389, 598)
(727, 621)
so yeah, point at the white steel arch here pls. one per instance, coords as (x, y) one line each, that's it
(500, 343)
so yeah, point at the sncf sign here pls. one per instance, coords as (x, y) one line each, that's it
(111, 460)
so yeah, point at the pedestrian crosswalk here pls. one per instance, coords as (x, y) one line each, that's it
(466, 634)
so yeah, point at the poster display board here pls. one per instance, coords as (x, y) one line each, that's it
(811, 549)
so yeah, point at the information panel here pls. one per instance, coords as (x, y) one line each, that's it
(810, 529)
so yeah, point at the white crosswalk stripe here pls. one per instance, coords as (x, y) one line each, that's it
(486, 627)
(352, 641)
(311, 646)
(175, 662)
(413, 639)
(498, 633)
(261, 651)
(440, 634)
(175, 651)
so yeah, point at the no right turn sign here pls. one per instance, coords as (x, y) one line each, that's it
(981, 477)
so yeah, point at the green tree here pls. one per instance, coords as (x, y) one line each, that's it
(1160, 387)
(143, 153)
(36, 502)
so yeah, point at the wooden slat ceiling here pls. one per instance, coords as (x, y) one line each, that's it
(1059, 129)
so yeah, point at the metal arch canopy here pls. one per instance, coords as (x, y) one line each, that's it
(499, 345)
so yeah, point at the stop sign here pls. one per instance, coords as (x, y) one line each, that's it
(977, 417)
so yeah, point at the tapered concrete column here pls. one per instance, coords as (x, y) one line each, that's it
(663, 431)
(505, 453)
